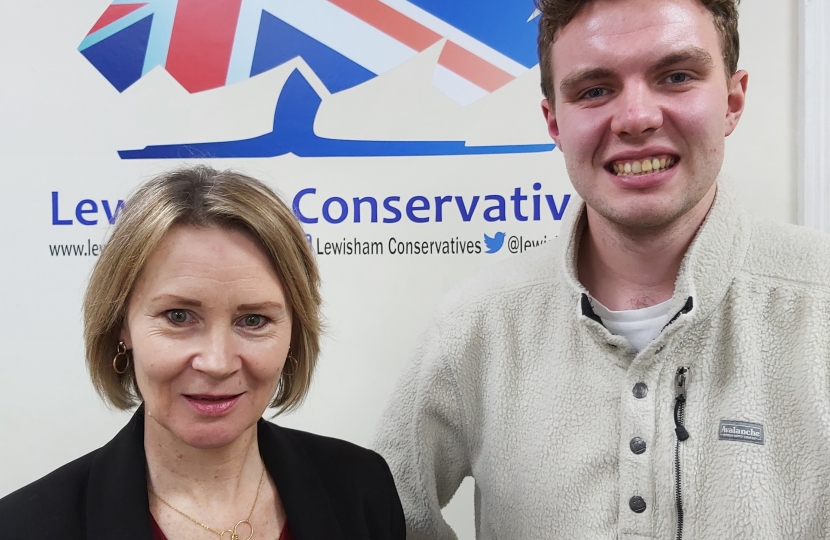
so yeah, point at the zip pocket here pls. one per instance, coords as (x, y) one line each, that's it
(680, 386)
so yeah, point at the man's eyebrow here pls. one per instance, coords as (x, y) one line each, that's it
(575, 79)
(695, 54)
(692, 53)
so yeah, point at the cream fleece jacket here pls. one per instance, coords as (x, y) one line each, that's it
(567, 430)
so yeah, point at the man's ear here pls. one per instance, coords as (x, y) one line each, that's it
(736, 100)
(550, 119)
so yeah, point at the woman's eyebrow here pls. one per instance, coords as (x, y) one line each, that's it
(259, 306)
(178, 300)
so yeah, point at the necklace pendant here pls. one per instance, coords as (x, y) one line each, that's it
(235, 534)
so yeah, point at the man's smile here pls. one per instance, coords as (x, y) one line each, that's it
(646, 165)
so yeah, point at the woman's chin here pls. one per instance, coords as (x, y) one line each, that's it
(210, 437)
(207, 433)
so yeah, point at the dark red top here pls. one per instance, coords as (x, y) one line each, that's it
(158, 535)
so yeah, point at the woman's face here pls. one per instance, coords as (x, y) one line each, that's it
(209, 329)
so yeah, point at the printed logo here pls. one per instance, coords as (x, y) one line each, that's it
(494, 244)
(735, 430)
(346, 43)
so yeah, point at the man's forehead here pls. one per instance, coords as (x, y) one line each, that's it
(605, 32)
(619, 17)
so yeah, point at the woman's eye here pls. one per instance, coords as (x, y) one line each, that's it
(178, 316)
(253, 321)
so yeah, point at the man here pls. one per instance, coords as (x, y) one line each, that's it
(662, 369)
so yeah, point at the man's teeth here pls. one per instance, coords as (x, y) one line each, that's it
(627, 168)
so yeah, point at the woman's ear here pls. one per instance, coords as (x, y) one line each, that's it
(124, 335)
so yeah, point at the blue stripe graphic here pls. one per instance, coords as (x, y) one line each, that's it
(278, 43)
(500, 24)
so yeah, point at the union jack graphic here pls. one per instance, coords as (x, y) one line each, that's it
(206, 44)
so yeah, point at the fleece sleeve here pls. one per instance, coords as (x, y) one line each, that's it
(422, 437)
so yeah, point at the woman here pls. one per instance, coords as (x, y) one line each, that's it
(203, 310)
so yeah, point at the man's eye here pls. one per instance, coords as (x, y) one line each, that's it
(594, 93)
(253, 321)
(178, 316)
(677, 78)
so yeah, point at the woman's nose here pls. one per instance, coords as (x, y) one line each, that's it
(217, 357)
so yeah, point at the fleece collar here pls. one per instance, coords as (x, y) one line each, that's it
(713, 259)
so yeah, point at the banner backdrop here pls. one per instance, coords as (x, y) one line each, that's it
(406, 134)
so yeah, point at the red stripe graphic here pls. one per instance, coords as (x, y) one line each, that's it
(113, 13)
(390, 22)
(473, 68)
(201, 43)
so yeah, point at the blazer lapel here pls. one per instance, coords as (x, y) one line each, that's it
(117, 504)
(307, 506)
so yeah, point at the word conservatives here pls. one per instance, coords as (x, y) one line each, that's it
(310, 207)
(397, 246)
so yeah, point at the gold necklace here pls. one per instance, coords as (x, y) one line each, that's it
(234, 533)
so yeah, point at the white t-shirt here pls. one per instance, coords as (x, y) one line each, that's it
(638, 326)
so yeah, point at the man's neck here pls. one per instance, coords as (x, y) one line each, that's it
(631, 269)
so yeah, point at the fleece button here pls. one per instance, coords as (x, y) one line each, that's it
(637, 445)
(637, 504)
(640, 390)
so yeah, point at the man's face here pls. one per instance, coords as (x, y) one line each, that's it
(642, 108)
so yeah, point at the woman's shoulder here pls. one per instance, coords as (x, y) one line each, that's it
(327, 480)
(52, 503)
(331, 453)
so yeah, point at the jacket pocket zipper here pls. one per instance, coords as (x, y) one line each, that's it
(682, 435)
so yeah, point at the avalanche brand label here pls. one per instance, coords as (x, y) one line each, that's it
(736, 430)
(207, 44)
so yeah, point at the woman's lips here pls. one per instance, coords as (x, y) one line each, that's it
(212, 405)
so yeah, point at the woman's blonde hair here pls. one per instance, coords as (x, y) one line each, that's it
(200, 196)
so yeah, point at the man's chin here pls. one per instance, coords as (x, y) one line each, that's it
(644, 217)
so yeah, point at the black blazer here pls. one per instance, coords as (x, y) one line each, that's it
(331, 490)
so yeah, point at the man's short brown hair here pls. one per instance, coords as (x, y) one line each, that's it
(556, 14)
(200, 197)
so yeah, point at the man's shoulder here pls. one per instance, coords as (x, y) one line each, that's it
(53, 503)
(505, 280)
(788, 253)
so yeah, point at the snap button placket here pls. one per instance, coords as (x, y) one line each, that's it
(637, 504)
(637, 445)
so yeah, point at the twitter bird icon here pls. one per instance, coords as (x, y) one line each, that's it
(494, 244)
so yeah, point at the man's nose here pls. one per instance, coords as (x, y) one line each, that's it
(218, 357)
(638, 111)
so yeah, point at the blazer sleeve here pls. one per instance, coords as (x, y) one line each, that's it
(422, 436)
(395, 527)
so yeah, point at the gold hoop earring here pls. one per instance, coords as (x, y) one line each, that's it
(121, 351)
(292, 361)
